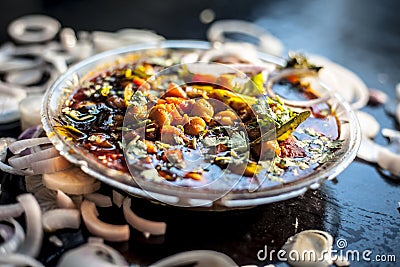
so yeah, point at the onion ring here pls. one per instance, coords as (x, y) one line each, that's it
(99, 199)
(26, 161)
(47, 29)
(11, 244)
(10, 211)
(34, 230)
(56, 219)
(267, 42)
(294, 72)
(99, 228)
(143, 225)
(19, 146)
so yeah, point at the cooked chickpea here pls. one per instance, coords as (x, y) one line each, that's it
(195, 126)
(160, 115)
(175, 90)
(194, 175)
(170, 135)
(226, 117)
(151, 148)
(202, 108)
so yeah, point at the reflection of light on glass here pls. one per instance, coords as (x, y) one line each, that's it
(207, 16)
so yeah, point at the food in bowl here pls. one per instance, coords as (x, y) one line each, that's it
(191, 124)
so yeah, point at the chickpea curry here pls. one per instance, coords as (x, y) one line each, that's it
(186, 127)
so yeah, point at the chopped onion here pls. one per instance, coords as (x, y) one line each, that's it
(99, 199)
(34, 231)
(71, 181)
(200, 257)
(64, 201)
(143, 225)
(11, 243)
(26, 161)
(92, 254)
(19, 146)
(19, 260)
(56, 219)
(50, 165)
(10, 211)
(118, 198)
(107, 231)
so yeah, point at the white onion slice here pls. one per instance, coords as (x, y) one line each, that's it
(71, 181)
(143, 225)
(344, 81)
(315, 241)
(26, 161)
(389, 161)
(200, 258)
(50, 165)
(4, 143)
(34, 231)
(369, 150)
(99, 228)
(99, 199)
(11, 244)
(19, 146)
(92, 254)
(56, 219)
(19, 260)
(10, 211)
(294, 72)
(64, 201)
(369, 125)
(8, 169)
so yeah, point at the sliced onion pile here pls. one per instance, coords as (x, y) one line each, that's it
(38, 162)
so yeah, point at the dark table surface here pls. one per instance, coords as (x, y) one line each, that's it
(361, 206)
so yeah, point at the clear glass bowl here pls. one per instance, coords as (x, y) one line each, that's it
(185, 196)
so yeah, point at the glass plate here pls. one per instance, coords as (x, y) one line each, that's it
(185, 196)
